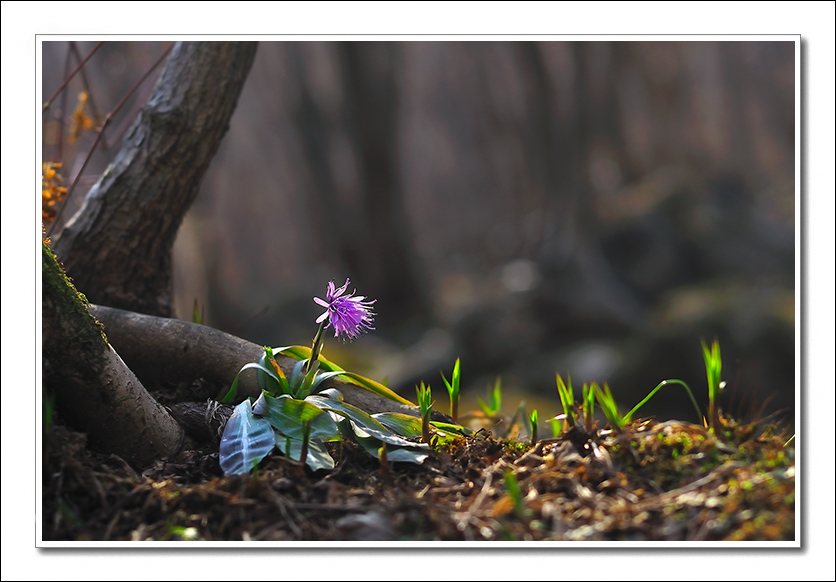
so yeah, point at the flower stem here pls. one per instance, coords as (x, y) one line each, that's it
(316, 346)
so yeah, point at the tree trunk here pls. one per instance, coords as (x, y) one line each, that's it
(118, 246)
(95, 392)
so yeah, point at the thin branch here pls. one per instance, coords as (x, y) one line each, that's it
(100, 134)
(63, 112)
(119, 130)
(86, 83)
(71, 75)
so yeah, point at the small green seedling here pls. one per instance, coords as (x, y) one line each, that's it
(492, 407)
(197, 313)
(629, 416)
(607, 404)
(713, 366)
(383, 457)
(588, 406)
(610, 409)
(514, 492)
(532, 423)
(567, 399)
(425, 403)
(557, 425)
(453, 390)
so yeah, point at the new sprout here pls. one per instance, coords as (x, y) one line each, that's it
(713, 366)
(588, 406)
(425, 403)
(567, 399)
(491, 408)
(532, 422)
(453, 390)
(514, 492)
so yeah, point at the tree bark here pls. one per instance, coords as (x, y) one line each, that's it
(118, 245)
(95, 392)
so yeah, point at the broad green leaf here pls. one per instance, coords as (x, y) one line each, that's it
(317, 458)
(307, 382)
(287, 415)
(273, 383)
(410, 426)
(233, 390)
(451, 428)
(399, 454)
(404, 455)
(376, 387)
(333, 394)
(417, 453)
(403, 424)
(296, 375)
(302, 352)
(297, 352)
(245, 441)
(322, 376)
(361, 420)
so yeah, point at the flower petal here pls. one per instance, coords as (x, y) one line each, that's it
(350, 315)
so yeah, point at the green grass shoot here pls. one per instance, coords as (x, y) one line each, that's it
(608, 404)
(453, 390)
(514, 492)
(383, 456)
(567, 399)
(197, 313)
(557, 425)
(588, 406)
(492, 407)
(713, 367)
(424, 395)
(532, 423)
(629, 416)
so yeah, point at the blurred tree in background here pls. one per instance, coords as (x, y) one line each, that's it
(589, 208)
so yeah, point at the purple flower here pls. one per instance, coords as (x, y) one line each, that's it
(349, 315)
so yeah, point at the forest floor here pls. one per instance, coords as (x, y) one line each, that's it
(649, 481)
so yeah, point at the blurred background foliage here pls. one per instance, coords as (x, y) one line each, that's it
(588, 208)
